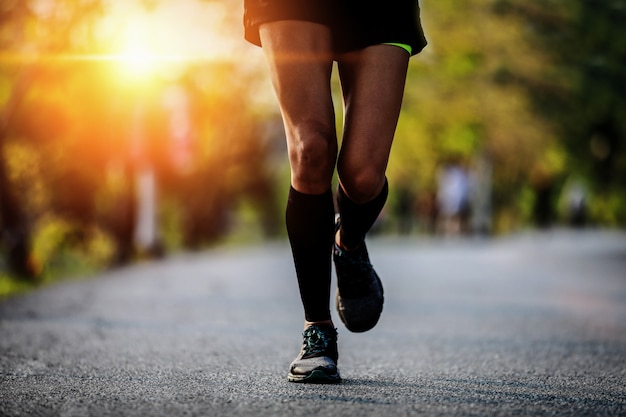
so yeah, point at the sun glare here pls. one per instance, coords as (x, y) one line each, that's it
(136, 56)
(164, 41)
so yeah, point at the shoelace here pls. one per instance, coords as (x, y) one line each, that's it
(316, 341)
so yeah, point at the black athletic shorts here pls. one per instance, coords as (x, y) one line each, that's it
(355, 24)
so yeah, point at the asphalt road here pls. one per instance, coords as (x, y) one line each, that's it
(533, 324)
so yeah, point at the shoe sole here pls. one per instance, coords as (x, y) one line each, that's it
(315, 377)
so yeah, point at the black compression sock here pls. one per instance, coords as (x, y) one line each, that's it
(310, 229)
(358, 219)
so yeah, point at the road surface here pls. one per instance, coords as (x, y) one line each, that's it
(533, 324)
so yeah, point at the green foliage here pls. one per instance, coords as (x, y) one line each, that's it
(579, 96)
(458, 103)
(61, 250)
(608, 208)
(61, 246)
(10, 285)
(531, 84)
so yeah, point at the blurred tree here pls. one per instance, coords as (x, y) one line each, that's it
(581, 92)
(77, 133)
(30, 34)
(460, 103)
(16, 228)
(231, 158)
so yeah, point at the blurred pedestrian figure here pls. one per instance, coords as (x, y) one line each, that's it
(453, 198)
(371, 42)
(575, 201)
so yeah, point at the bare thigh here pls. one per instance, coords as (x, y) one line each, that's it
(300, 61)
(372, 81)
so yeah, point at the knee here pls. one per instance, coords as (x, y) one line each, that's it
(312, 154)
(363, 186)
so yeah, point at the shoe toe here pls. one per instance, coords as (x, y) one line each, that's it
(306, 366)
(361, 314)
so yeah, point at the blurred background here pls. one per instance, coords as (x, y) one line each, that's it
(134, 129)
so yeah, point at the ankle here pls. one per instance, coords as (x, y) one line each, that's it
(324, 323)
(342, 246)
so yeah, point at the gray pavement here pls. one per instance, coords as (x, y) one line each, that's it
(533, 324)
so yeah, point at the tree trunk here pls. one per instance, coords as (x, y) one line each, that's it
(15, 224)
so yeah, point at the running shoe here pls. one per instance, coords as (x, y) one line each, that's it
(317, 361)
(359, 297)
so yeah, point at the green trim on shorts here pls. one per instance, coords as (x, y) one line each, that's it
(401, 45)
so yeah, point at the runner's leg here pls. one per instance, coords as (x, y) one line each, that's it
(373, 81)
(300, 61)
